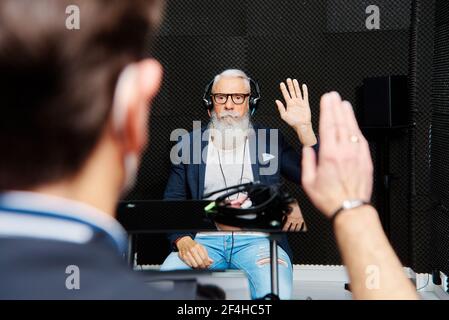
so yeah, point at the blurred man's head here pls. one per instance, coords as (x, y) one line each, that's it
(74, 103)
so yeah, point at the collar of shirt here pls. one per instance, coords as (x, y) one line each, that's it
(35, 215)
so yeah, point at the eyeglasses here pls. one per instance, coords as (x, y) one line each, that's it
(237, 98)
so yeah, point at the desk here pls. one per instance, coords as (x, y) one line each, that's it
(158, 216)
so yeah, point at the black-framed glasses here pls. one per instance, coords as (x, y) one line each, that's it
(237, 98)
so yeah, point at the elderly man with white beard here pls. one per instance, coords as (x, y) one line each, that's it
(235, 151)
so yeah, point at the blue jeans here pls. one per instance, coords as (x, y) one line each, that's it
(248, 253)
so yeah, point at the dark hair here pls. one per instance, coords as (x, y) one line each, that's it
(57, 85)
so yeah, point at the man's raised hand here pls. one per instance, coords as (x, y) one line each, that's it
(296, 111)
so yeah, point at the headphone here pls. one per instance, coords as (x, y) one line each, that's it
(254, 98)
(269, 205)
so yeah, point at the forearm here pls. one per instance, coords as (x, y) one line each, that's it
(306, 135)
(374, 270)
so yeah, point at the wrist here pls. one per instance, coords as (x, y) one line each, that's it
(346, 205)
(306, 134)
(352, 217)
(181, 240)
(303, 127)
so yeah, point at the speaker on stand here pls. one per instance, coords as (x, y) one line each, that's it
(384, 115)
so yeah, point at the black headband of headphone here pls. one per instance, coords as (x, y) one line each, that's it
(254, 98)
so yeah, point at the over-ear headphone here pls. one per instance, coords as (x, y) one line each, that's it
(254, 98)
(269, 206)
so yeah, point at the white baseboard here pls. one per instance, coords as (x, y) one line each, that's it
(333, 273)
(338, 273)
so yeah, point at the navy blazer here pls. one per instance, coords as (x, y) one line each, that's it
(64, 240)
(33, 268)
(186, 180)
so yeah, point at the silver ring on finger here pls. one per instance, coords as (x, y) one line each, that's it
(354, 139)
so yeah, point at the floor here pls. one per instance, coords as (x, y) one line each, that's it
(311, 282)
(315, 290)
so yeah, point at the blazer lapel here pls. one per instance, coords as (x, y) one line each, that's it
(258, 153)
(202, 166)
(254, 153)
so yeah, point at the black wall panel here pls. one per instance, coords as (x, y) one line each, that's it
(420, 204)
(440, 139)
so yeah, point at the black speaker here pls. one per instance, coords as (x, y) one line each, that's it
(385, 102)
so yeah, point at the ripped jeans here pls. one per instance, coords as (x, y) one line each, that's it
(249, 253)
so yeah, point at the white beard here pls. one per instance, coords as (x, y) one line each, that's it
(228, 130)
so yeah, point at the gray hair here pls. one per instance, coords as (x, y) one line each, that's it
(232, 73)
